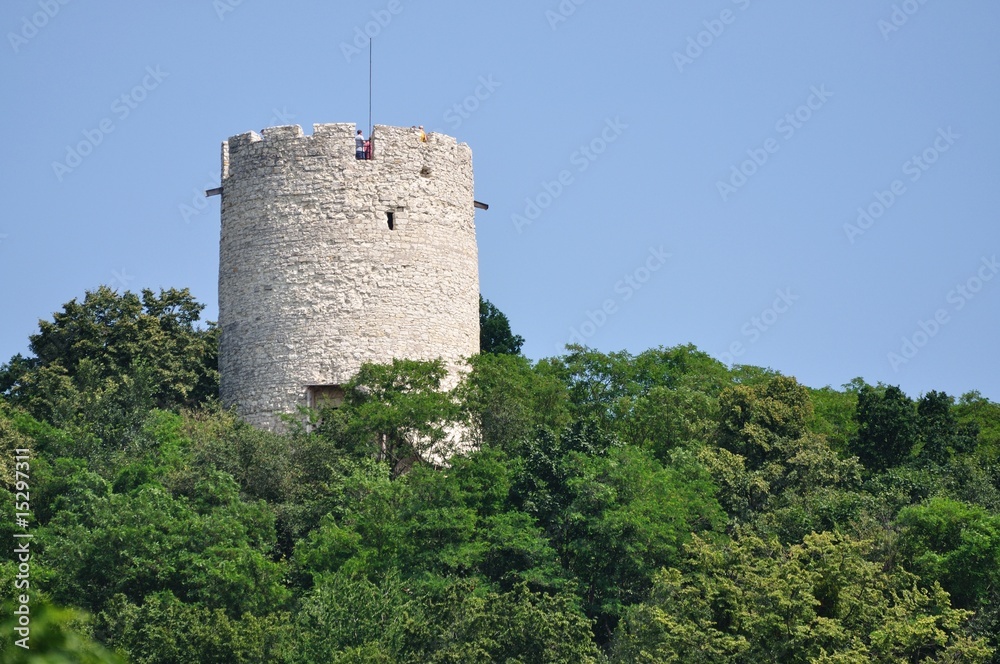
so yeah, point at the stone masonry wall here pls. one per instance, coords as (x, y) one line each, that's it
(313, 282)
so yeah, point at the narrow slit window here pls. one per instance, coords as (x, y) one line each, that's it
(391, 219)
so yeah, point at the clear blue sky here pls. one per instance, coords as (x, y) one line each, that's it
(697, 167)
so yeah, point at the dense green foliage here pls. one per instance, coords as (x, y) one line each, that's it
(658, 507)
(495, 335)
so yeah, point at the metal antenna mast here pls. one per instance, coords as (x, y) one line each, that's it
(371, 127)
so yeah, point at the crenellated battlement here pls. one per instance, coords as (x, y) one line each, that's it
(336, 140)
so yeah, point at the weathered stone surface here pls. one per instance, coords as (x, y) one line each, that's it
(313, 282)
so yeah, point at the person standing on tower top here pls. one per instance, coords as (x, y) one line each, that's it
(359, 145)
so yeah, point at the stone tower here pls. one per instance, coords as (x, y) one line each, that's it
(327, 261)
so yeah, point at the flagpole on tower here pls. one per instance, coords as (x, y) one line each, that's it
(371, 127)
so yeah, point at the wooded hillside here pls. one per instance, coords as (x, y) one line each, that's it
(658, 507)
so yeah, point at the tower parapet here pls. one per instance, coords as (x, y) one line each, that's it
(327, 261)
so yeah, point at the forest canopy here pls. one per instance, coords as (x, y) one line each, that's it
(605, 507)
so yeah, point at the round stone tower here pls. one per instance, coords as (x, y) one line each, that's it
(327, 261)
